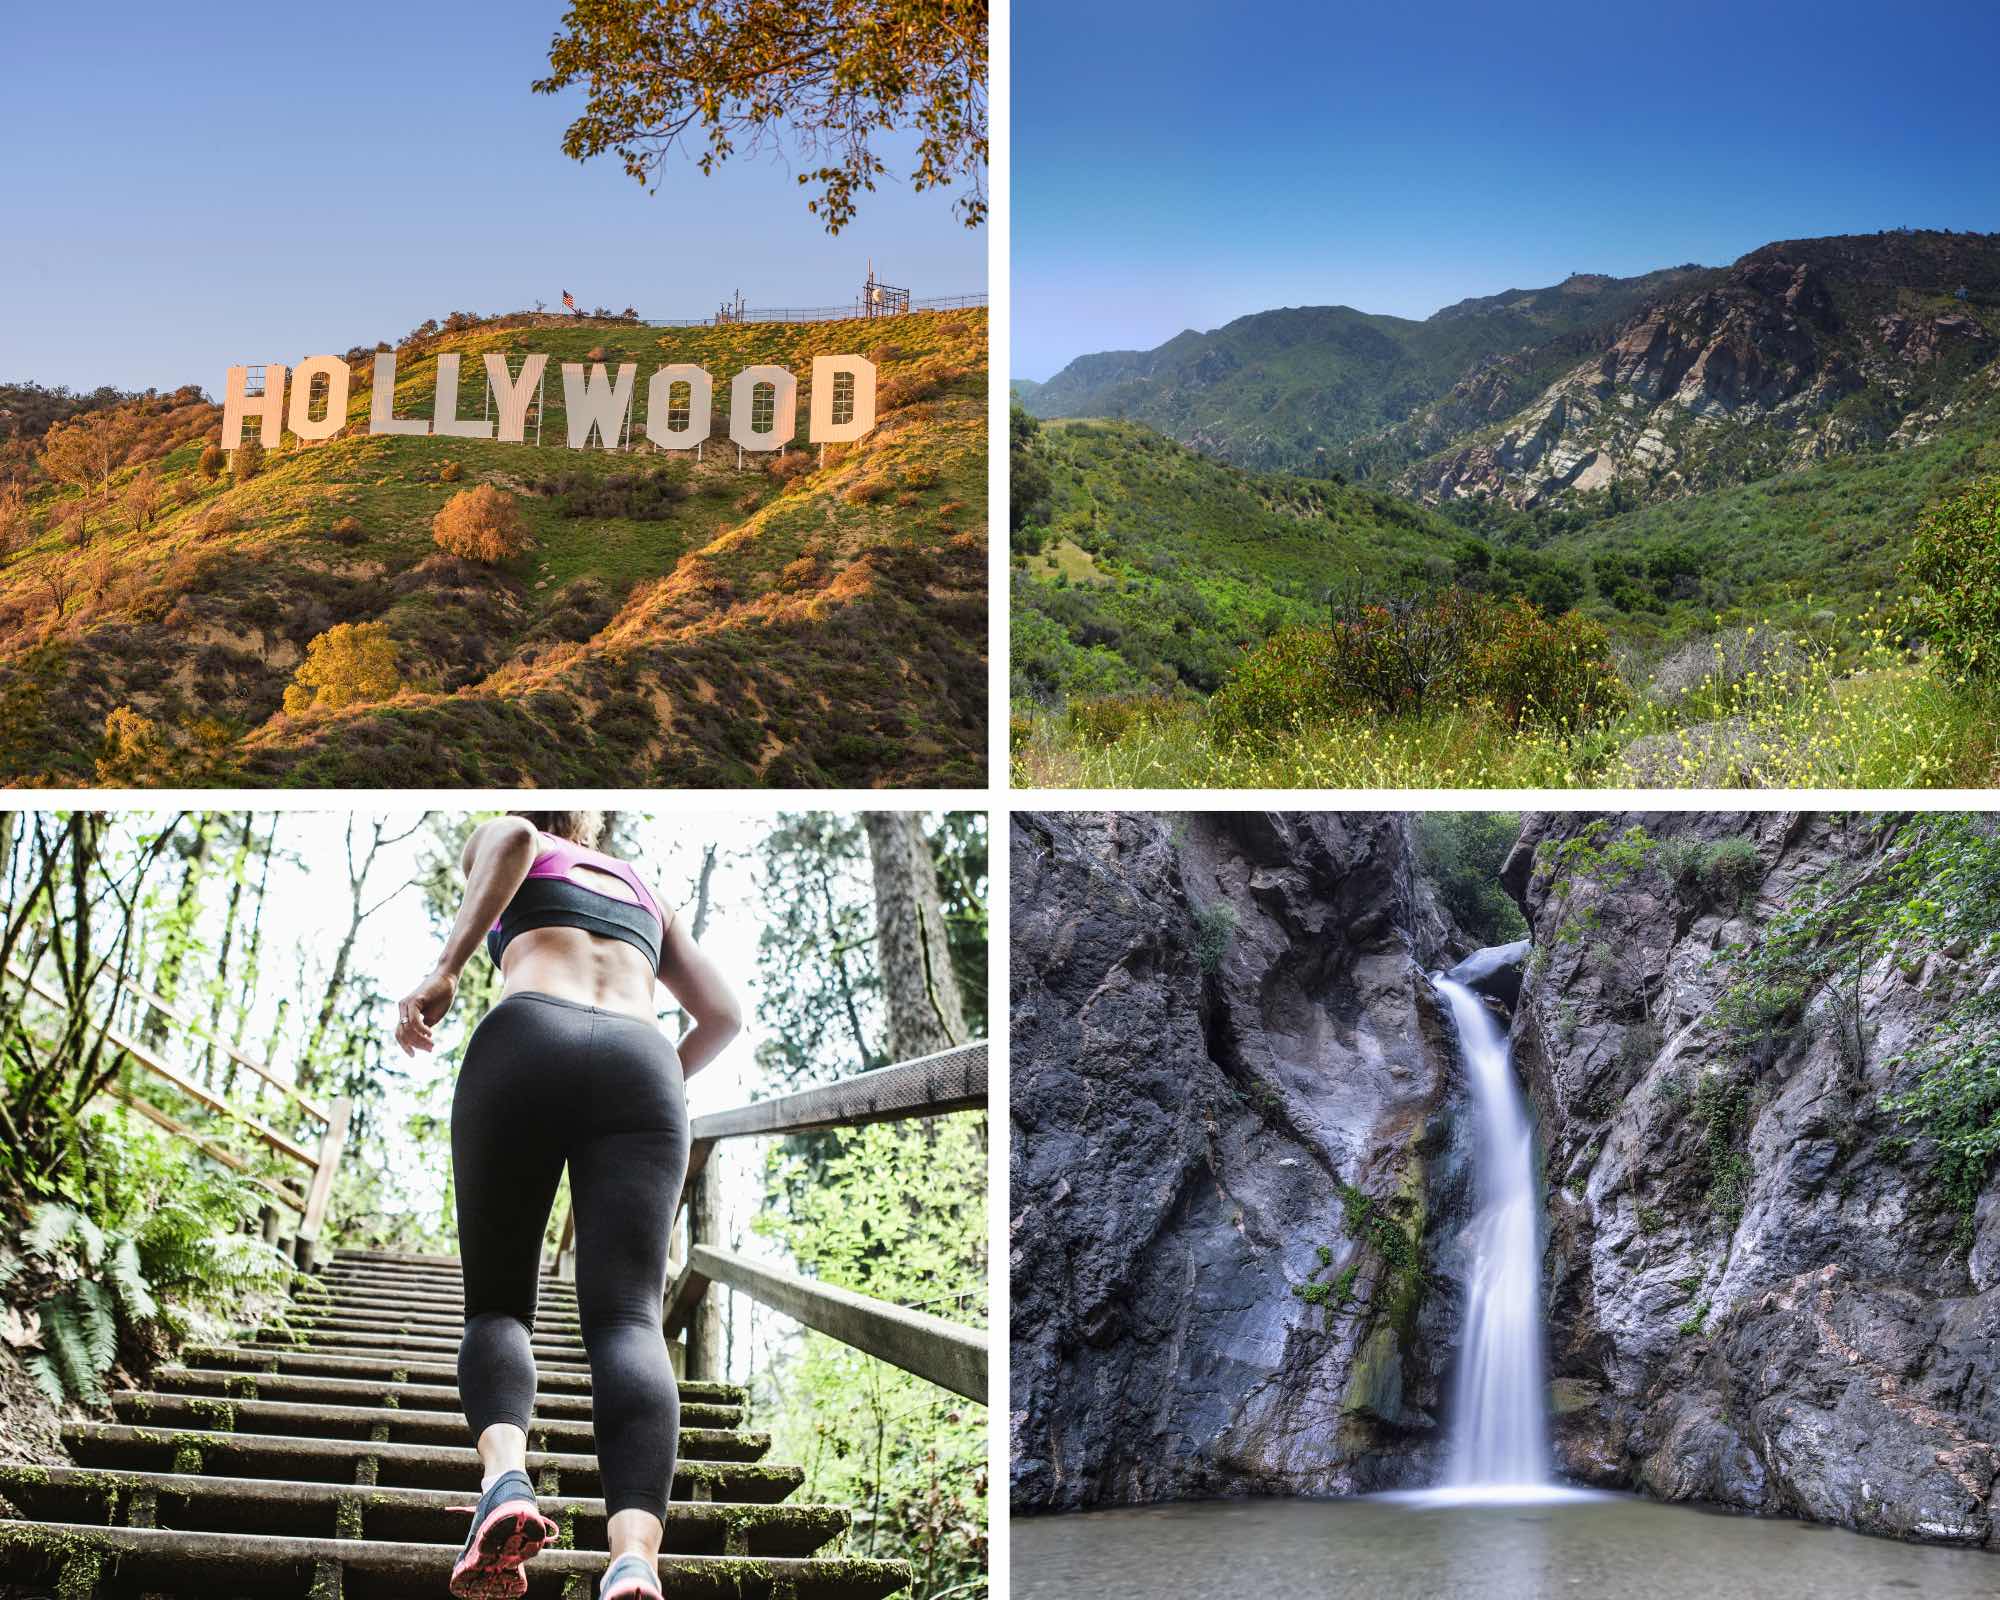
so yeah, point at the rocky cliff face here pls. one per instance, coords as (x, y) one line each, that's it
(1235, 1169)
(1800, 351)
(1754, 1299)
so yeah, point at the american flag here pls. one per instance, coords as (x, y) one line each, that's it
(569, 299)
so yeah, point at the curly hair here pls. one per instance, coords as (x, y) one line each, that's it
(579, 827)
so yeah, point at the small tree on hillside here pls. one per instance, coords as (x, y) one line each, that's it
(136, 753)
(481, 524)
(211, 461)
(351, 663)
(142, 499)
(247, 461)
(15, 528)
(1955, 562)
(83, 451)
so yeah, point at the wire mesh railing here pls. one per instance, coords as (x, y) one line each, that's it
(856, 311)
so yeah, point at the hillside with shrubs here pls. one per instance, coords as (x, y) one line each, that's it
(1183, 621)
(415, 611)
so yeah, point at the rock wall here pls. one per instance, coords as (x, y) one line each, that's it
(1831, 1351)
(1230, 1082)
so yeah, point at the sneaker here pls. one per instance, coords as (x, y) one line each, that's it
(630, 1578)
(508, 1531)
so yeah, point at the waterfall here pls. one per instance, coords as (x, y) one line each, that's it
(1499, 1420)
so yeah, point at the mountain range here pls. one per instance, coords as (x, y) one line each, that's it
(1642, 389)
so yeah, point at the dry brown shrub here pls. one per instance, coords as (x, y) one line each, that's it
(866, 491)
(481, 524)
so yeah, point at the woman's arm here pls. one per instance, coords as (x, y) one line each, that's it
(496, 862)
(698, 984)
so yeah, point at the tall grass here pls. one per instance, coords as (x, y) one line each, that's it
(1824, 717)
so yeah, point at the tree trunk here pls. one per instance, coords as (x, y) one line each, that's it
(926, 1013)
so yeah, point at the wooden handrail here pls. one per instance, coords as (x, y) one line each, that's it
(930, 1086)
(944, 1352)
(951, 1356)
(153, 1064)
(291, 1091)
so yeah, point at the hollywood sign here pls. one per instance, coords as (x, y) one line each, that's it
(843, 403)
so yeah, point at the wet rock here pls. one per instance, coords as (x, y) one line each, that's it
(1494, 971)
(1761, 1306)
(1219, 1022)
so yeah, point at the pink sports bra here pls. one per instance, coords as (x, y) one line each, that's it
(549, 897)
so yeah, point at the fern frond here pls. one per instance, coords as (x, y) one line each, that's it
(93, 1239)
(69, 1347)
(97, 1310)
(49, 1226)
(47, 1378)
(128, 1278)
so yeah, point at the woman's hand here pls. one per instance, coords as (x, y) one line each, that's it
(422, 1009)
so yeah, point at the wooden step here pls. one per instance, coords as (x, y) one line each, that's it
(177, 1379)
(363, 1462)
(394, 1424)
(431, 1369)
(564, 1330)
(79, 1558)
(555, 1354)
(448, 1308)
(547, 1290)
(423, 1516)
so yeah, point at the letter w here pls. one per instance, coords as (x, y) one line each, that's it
(597, 402)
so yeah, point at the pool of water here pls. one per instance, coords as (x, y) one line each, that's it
(1414, 1548)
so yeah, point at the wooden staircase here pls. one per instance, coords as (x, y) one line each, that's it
(326, 1461)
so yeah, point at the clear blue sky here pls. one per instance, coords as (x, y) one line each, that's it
(1176, 165)
(190, 186)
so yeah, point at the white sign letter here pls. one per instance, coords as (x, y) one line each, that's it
(784, 408)
(382, 416)
(595, 399)
(334, 370)
(513, 394)
(444, 410)
(701, 407)
(831, 397)
(267, 405)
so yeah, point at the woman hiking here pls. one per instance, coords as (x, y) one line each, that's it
(569, 1068)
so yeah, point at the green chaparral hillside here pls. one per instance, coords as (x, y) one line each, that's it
(1144, 565)
(788, 622)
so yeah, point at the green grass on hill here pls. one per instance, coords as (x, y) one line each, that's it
(672, 623)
